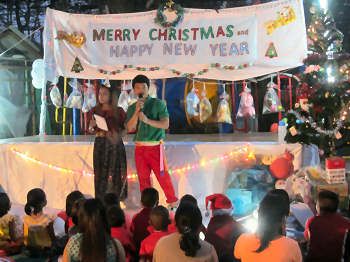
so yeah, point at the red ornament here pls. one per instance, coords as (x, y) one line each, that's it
(245, 65)
(125, 66)
(217, 65)
(205, 70)
(138, 68)
(231, 67)
(168, 24)
(274, 128)
(113, 72)
(152, 69)
(191, 75)
(283, 166)
(178, 73)
(100, 70)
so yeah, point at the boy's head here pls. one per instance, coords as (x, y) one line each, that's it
(327, 202)
(5, 204)
(140, 84)
(149, 197)
(159, 218)
(188, 199)
(70, 200)
(115, 216)
(111, 199)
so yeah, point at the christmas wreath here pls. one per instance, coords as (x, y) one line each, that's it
(161, 19)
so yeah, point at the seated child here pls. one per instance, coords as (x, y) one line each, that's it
(74, 214)
(111, 199)
(186, 199)
(10, 241)
(64, 217)
(327, 230)
(159, 220)
(116, 221)
(140, 221)
(223, 231)
(37, 226)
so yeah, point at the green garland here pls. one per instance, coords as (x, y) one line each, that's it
(160, 19)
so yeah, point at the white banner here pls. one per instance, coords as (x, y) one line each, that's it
(236, 43)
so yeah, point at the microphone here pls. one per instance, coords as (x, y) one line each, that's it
(140, 97)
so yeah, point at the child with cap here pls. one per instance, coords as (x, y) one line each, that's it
(223, 231)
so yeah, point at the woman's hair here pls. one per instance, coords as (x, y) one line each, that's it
(188, 220)
(284, 197)
(188, 199)
(70, 200)
(96, 234)
(74, 214)
(5, 204)
(36, 200)
(270, 217)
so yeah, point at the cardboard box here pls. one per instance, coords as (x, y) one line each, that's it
(341, 189)
(335, 170)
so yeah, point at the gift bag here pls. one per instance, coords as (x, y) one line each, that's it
(124, 98)
(223, 113)
(75, 99)
(205, 109)
(246, 105)
(192, 101)
(272, 103)
(55, 96)
(89, 98)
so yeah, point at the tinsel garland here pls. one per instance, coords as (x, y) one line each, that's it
(313, 124)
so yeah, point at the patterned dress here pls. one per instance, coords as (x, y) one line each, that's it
(109, 158)
(73, 250)
(5, 228)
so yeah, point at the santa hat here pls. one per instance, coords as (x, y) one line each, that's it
(219, 204)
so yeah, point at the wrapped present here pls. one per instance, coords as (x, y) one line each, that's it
(341, 189)
(335, 170)
(241, 200)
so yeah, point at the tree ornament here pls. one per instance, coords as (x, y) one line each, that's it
(77, 67)
(271, 51)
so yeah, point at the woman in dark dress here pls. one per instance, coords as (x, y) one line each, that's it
(109, 157)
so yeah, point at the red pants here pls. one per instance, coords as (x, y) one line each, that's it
(147, 158)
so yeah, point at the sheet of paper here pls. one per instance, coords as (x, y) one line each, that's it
(101, 122)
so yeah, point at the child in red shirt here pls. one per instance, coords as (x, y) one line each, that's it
(223, 231)
(116, 221)
(140, 221)
(159, 220)
(326, 231)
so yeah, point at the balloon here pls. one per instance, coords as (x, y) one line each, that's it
(282, 167)
(274, 128)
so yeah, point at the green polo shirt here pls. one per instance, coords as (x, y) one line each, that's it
(154, 109)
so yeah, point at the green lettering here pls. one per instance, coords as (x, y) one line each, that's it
(229, 30)
(109, 35)
(172, 33)
(126, 34)
(151, 34)
(185, 34)
(98, 36)
(206, 34)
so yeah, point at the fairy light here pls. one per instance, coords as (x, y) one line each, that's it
(245, 151)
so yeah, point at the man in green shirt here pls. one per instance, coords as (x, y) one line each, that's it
(149, 117)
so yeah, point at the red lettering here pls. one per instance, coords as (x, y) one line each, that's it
(136, 33)
(118, 34)
(195, 30)
(164, 34)
(180, 31)
(220, 31)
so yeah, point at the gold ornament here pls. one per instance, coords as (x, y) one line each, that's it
(326, 94)
(76, 39)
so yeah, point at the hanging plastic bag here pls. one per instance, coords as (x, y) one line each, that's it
(223, 113)
(123, 100)
(75, 99)
(246, 105)
(132, 98)
(55, 96)
(89, 98)
(152, 91)
(192, 101)
(272, 103)
(205, 109)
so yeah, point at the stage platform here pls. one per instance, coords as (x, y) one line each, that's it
(199, 163)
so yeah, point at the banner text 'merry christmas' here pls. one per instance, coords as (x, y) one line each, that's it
(171, 34)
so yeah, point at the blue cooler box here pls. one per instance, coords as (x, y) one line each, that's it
(241, 200)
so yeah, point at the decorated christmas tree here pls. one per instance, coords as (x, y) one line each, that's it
(77, 67)
(321, 111)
